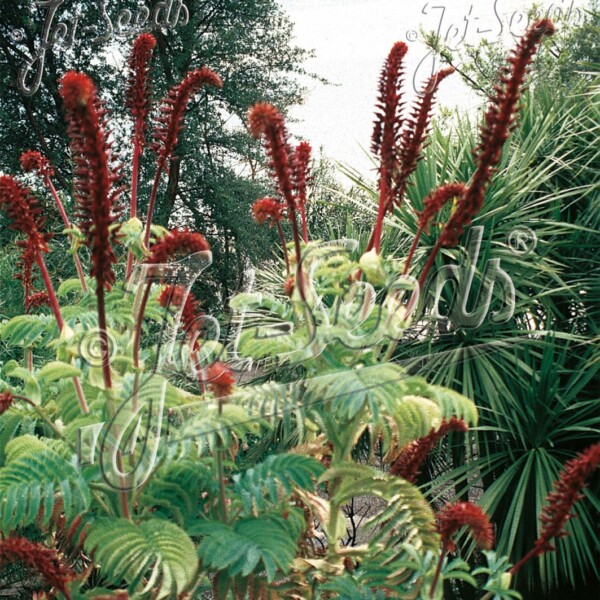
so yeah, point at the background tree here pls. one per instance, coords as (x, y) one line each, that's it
(248, 44)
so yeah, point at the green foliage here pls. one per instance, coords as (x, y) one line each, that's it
(275, 477)
(155, 550)
(253, 544)
(34, 478)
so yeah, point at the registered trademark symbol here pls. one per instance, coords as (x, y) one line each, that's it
(411, 35)
(522, 240)
(17, 35)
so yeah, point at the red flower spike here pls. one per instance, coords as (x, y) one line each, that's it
(386, 132)
(169, 125)
(33, 161)
(267, 122)
(39, 559)
(267, 210)
(220, 379)
(173, 109)
(499, 122)
(409, 462)
(302, 157)
(173, 295)
(415, 133)
(25, 268)
(289, 285)
(560, 502)
(37, 300)
(388, 120)
(96, 175)
(6, 400)
(464, 514)
(177, 244)
(24, 212)
(434, 203)
(137, 95)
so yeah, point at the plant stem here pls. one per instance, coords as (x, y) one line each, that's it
(135, 168)
(151, 203)
(80, 395)
(28, 358)
(39, 259)
(298, 248)
(65, 218)
(220, 470)
(138, 326)
(137, 153)
(284, 246)
(45, 417)
(104, 349)
(412, 251)
(438, 571)
(430, 262)
(59, 321)
(531, 554)
(385, 203)
(303, 218)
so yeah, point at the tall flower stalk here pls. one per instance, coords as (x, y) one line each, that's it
(560, 502)
(432, 205)
(169, 125)
(270, 210)
(267, 123)
(409, 462)
(451, 519)
(34, 162)
(138, 100)
(302, 156)
(386, 133)
(498, 123)
(25, 214)
(96, 192)
(398, 142)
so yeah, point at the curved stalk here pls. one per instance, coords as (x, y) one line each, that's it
(65, 218)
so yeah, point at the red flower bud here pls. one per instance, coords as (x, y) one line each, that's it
(220, 379)
(177, 244)
(464, 514)
(409, 462)
(267, 210)
(6, 400)
(33, 161)
(39, 559)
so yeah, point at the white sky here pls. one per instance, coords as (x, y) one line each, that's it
(352, 38)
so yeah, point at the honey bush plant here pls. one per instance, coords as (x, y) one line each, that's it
(132, 458)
